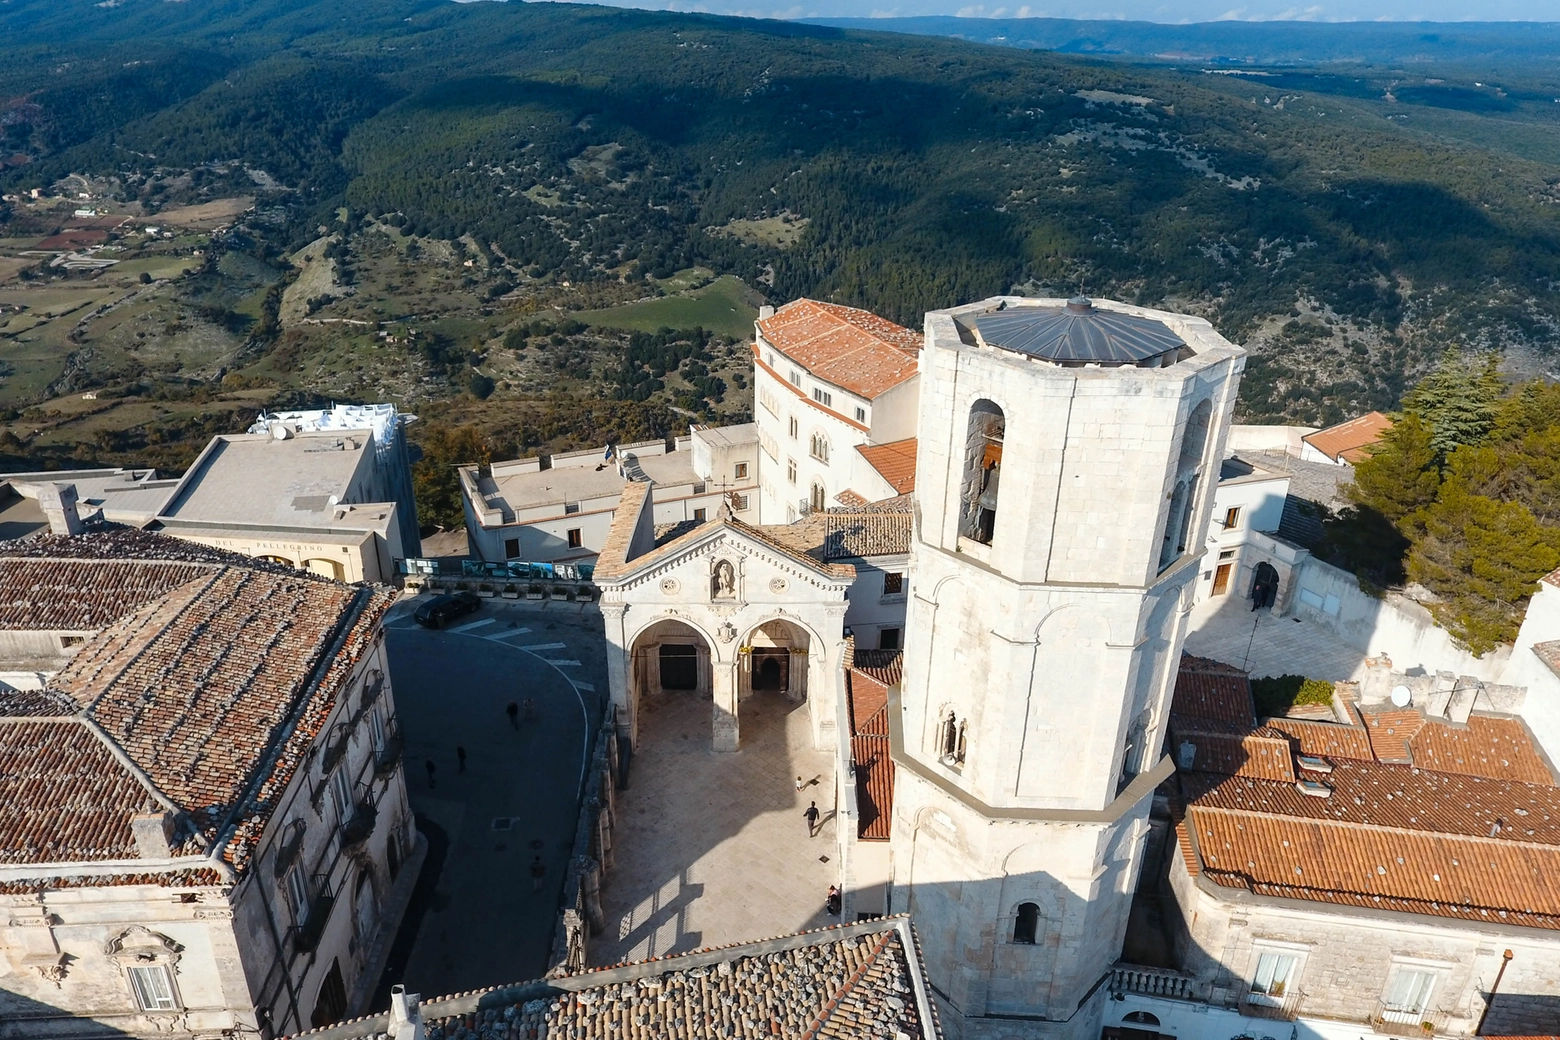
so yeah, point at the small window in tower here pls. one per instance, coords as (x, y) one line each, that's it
(1026, 923)
(982, 471)
(1231, 518)
(950, 740)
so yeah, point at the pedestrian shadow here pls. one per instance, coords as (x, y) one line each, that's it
(647, 921)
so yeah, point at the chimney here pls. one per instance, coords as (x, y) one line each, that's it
(153, 833)
(765, 311)
(405, 1016)
(58, 502)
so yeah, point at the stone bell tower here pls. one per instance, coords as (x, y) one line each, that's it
(1067, 458)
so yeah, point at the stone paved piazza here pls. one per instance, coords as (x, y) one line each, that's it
(712, 848)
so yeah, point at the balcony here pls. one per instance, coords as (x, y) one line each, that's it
(1284, 1008)
(1389, 1021)
(1156, 982)
(387, 756)
(356, 828)
(306, 935)
(336, 748)
(292, 844)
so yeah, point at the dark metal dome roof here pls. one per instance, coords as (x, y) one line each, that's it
(1078, 332)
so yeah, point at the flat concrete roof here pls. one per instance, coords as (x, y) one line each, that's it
(125, 496)
(259, 480)
(1239, 469)
(731, 436)
(521, 491)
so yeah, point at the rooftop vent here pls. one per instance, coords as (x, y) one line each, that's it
(1078, 333)
(1313, 788)
(1313, 764)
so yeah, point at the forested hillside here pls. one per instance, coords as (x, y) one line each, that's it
(559, 160)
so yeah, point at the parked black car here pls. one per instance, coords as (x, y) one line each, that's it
(441, 610)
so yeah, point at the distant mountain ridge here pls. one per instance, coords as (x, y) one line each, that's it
(1241, 42)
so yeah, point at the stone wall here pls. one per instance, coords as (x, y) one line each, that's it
(579, 913)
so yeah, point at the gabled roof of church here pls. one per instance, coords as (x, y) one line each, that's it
(859, 981)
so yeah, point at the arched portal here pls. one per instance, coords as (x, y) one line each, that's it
(669, 672)
(778, 655)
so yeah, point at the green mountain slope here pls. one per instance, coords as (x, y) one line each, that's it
(596, 145)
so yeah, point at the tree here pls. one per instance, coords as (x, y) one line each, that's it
(1400, 479)
(1459, 399)
(1483, 559)
(435, 482)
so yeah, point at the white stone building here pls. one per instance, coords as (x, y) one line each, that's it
(519, 510)
(828, 381)
(1068, 454)
(1246, 559)
(204, 829)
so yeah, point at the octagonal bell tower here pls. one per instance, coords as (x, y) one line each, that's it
(1067, 458)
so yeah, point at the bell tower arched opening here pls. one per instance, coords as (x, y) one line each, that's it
(1188, 475)
(982, 471)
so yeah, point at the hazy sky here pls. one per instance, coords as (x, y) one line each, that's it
(1147, 10)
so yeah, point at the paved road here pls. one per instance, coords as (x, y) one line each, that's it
(519, 796)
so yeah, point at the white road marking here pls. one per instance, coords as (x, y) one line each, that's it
(474, 624)
(499, 637)
(543, 646)
(562, 664)
(582, 685)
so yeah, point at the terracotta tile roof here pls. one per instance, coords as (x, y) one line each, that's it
(869, 752)
(215, 691)
(1390, 732)
(198, 877)
(1210, 690)
(1350, 440)
(850, 348)
(63, 795)
(1501, 748)
(850, 498)
(862, 533)
(106, 541)
(1261, 753)
(894, 462)
(54, 594)
(1549, 653)
(886, 666)
(850, 982)
(1325, 739)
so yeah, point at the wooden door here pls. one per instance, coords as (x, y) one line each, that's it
(1221, 579)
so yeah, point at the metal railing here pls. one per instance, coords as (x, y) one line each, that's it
(1398, 1022)
(305, 935)
(356, 828)
(1284, 1008)
(388, 754)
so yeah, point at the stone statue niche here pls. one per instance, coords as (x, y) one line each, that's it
(723, 583)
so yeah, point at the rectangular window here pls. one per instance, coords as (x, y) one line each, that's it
(893, 583)
(511, 548)
(1227, 554)
(823, 397)
(861, 414)
(376, 726)
(796, 378)
(739, 503)
(573, 535)
(790, 470)
(1407, 996)
(153, 988)
(888, 639)
(698, 516)
(570, 507)
(698, 489)
(298, 894)
(793, 427)
(1275, 972)
(1231, 517)
(341, 791)
(741, 471)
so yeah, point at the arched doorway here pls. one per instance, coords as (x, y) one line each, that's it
(670, 680)
(1264, 586)
(778, 654)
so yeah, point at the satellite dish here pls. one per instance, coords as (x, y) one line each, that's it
(1401, 696)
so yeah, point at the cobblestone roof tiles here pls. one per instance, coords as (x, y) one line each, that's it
(73, 595)
(1487, 746)
(1390, 733)
(19, 704)
(63, 795)
(852, 989)
(894, 462)
(850, 348)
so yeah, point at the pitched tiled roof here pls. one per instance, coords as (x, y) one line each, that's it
(1390, 732)
(63, 795)
(850, 348)
(1350, 440)
(1209, 690)
(869, 752)
(55, 594)
(886, 666)
(894, 462)
(215, 690)
(851, 982)
(1501, 748)
(1326, 739)
(864, 532)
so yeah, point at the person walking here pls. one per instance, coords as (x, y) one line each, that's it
(799, 785)
(460, 758)
(430, 767)
(513, 711)
(538, 871)
(812, 819)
